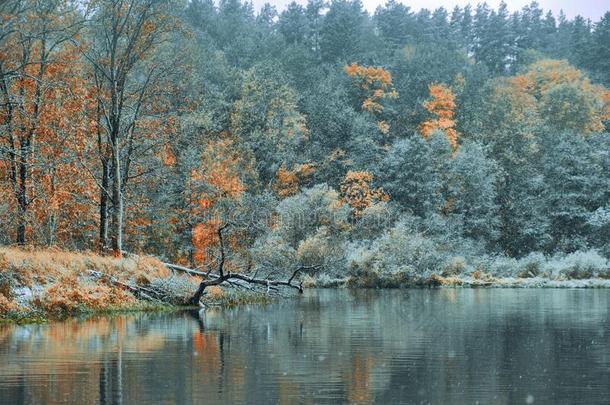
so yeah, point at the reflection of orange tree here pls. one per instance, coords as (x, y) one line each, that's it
(205, 345)
(359, 380)
(98, 335)
(87, 341)
(206, 362)
(286, 391)
(208, 365)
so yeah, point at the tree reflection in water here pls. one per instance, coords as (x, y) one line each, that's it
(457, 346)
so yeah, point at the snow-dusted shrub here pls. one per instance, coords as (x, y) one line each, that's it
(398, 256)
(456, 266)
(175, 289)
(578, 265)
(374, 220)
(309, 230)
(531, 265)
(498, 266)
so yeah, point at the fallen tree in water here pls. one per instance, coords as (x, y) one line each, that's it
(228, 277)
(223, 277)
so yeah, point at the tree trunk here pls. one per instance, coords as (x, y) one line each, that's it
(22, 195)
(52, 221)
(21, 225)
(117, 201)
(103, 242)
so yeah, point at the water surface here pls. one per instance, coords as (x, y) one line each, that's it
(333, 346)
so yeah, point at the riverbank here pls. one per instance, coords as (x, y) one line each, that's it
(435, 281)
(41, 284)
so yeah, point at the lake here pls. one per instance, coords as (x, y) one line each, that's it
(458, 346)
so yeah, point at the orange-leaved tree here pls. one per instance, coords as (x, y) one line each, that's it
(376, 84)
(550, 92)
(356, 191)
(217, 179)
(565, 96)
(442, 106)
(45, 118)
(288, 182)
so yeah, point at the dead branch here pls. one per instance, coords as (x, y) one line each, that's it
(222, 277)
(137, 290)
(237, 280)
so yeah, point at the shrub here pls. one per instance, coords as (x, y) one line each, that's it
(373, 221)
(399, 256)
(456, 266)
(7, 305)
(578, 265)
(499, 266)
(372, 278)
(214, 293)
(401, 246)
(531, 266)
(302, 215)
(176, 289)
(271, 252)
(310, 282)
(318, 249)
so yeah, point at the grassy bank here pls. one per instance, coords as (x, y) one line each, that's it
(41, 284)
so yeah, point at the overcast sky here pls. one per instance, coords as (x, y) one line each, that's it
(592, 9)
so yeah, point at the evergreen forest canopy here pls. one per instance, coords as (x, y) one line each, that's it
(401, 142)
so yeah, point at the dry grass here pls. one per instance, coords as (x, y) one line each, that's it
(68, 295)
(215, 293)
(449, 281)
(482, 276)
(59, 280)
(7, 305)
(47, 265)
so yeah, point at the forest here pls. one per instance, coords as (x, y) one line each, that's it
(385, 147)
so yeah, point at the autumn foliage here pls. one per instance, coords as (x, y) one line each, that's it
(554, 91)
(47, 114)
(376, 84)
(356, 191)
(217, 178)
(116, 121)
(288, 182)
(442, 107)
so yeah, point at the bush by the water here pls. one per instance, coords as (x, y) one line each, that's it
(382, 248)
